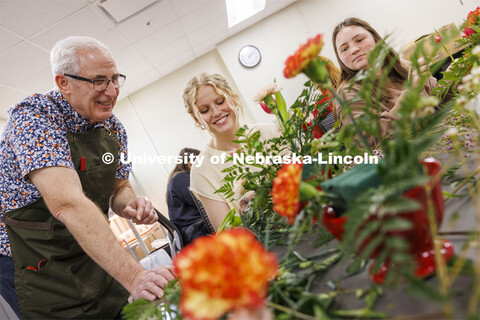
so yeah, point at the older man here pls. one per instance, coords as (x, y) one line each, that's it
(59, 174)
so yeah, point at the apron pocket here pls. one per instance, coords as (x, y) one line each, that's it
(63, 282)
(100, 176)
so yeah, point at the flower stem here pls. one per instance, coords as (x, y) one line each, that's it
(296, 314)
(440, 264)
(465, 180)
(451, 57)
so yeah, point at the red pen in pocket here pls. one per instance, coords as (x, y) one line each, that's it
(40, 265)
(83, 163)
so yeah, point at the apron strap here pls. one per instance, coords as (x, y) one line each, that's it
(32, 225)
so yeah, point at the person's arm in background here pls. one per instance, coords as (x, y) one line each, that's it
(62, 191)
(357, 108)
(181, 188)
(387, 115)
(216, 210)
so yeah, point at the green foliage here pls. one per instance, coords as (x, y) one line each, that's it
(460, 67)
(142, 309)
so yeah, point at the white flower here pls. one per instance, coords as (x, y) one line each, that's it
(475, 71)
(462, 100)
(467, 78)
(451, 132)
(474, 105)
(476, 51)
(429, 101)
(268, 90)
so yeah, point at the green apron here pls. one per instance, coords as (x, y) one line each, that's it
(54, 277)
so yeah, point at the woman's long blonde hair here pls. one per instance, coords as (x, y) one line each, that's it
(333, 71)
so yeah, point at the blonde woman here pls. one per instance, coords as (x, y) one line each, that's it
(216, 108)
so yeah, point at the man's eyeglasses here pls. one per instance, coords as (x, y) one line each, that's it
(101, 84)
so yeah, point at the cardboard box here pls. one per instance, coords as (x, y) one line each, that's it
(449, 34)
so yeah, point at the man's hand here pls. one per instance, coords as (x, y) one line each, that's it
(141, 211)
(152, 282)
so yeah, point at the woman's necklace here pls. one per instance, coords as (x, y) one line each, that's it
(234, 147)
(224, 149)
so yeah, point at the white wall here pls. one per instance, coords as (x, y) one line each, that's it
(2, 125)
(155, 117)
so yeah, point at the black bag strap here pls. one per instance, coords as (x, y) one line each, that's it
(203, 213)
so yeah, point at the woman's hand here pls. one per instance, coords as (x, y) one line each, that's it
(246, 199)
(415, 74)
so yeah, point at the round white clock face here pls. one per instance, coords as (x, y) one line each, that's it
(249, 56)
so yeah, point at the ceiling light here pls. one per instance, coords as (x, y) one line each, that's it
(120, 10)
(239, 10)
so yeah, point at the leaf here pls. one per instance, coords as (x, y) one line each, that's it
(228, 221)
(396, 224)
(372, 295)
(356, 267)
(141, 309)
(372, 245)
(419, 287)
(399, 204)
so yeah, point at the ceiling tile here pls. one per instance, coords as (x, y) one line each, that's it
(27, 18)
(142, 81)
(208, 31)
(113, 40)
(176, 63)
(125, 58)
(157, 16)
(120, 10)
(37, 82)
(137, 69)
(9, 39)
(174, 50)
(91, 22)
(183, 7)
(20, 61)
(209, 45)
(204, 48)
(203, 15)
(160, 39)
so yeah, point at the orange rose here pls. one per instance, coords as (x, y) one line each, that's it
(222, 273)
(473, 17)
(286, 191)
(297, 62)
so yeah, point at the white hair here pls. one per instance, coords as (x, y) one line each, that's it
(64, 57)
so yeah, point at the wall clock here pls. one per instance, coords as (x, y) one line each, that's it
(249, 56)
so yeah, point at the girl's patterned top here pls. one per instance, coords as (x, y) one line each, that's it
(36, 137)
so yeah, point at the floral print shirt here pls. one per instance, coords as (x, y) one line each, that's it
(36, 137)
